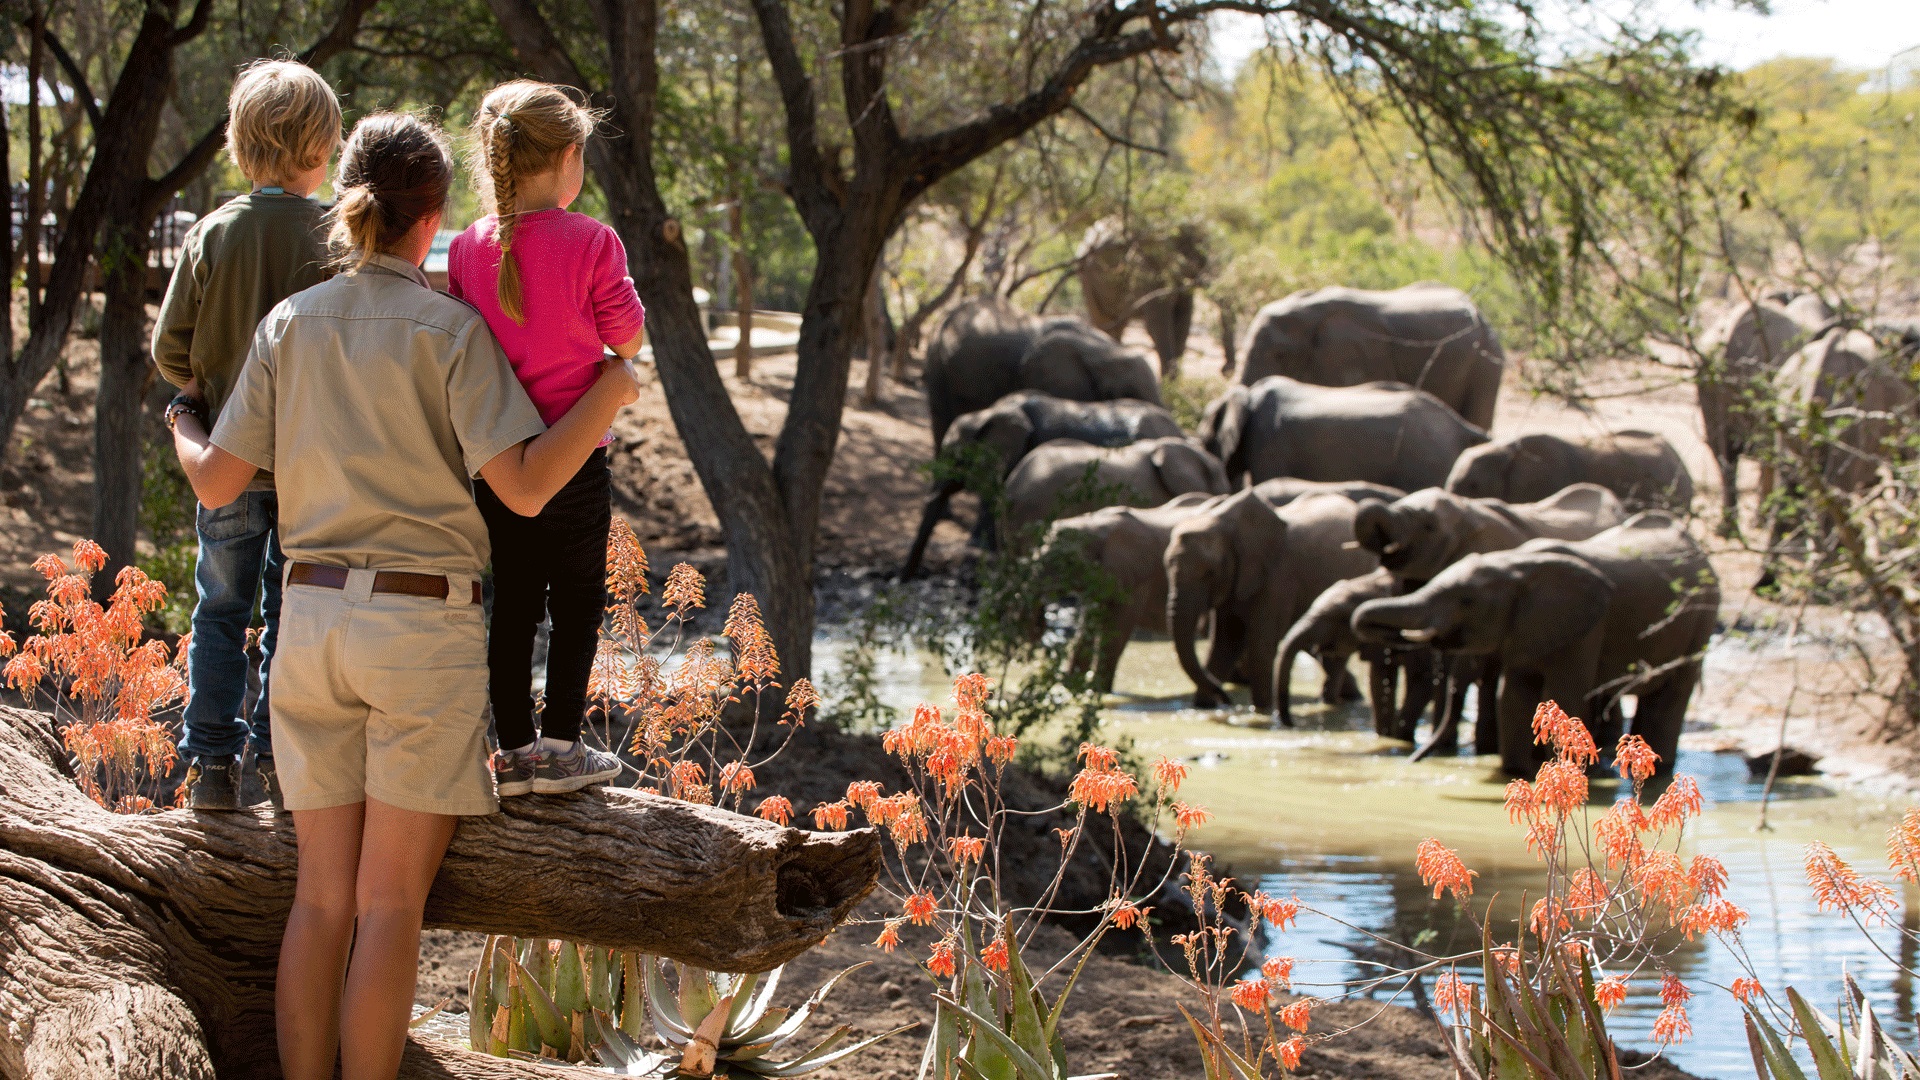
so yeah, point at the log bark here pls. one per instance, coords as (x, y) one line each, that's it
(145, 946)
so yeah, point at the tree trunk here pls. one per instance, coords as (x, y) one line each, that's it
(742, 297)
(874, 329)
(125, 374)
(146, 946)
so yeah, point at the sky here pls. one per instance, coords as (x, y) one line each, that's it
(1864, 34)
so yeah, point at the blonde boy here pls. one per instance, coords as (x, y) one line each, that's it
(234, 266)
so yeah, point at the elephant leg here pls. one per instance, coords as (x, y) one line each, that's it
(1486, 729)
(1385, 692)
(939, 505)
(1729, 462)
(1660, 715)
(1423, 669)
(1112, 644)
(1227, 644)
(1520, 694)
(1263, 643)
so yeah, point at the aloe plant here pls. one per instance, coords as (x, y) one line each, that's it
(727, 1022)
(988, 1028)
(1520, 1030)
(1870, 1052)
(537, 998)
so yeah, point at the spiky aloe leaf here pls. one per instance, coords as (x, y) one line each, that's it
(757, 1004)
(1767, 1046)
(547, 1018)
(603, 975)
(633, 996)
(502, 954)
(815, 1059)
(1023, 1062)
(698, 994)
(982, 1051)
(793, 1023)
(943, 1046)
(741, 999)
(1060, 1003)
(479, 1002)
(1815, 1027)
(1201, 1035)
(536, 955)
(570, 980)
(519, 1020)
(667, 1021)
(621, 1054)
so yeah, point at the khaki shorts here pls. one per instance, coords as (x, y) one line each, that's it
(381, 695)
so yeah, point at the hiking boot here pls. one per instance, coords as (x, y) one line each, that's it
(512, 772)
(573, 770)
(270, 780)
(213, 783)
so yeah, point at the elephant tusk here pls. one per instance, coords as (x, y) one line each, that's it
(1420, 637)
(1390, 549)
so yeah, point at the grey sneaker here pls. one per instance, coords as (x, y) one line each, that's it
(512, 772)
(213, 783)
(573, 770)
(269, 780)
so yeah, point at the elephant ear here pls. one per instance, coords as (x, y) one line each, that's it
(1258, 538)
(1560, 600)
(1010, 433)
(1223, 425)
(1182, 467)
(1370, 525)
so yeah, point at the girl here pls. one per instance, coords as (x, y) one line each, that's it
(373, 400)
(554, 287)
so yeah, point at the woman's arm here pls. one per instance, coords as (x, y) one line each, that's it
(217, 477)
(525, 476)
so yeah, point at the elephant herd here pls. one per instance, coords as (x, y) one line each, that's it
(1341, 498)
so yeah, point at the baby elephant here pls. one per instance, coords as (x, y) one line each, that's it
(1418, 536)
(1129, 544)
(1014, 425)
(1256, 570)
(1066, 476)
(1580, 623)
(1640, 467)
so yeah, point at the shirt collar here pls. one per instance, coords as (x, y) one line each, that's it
(388, 264)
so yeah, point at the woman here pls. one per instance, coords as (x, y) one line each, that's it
(375, 401)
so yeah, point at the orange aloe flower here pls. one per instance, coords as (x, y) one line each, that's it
(1295, 1015)
(1127, 914)
(1098, 758)
(1837, 885)
(1746, 989)
(1635, 759)
(889, 938)
(1561, 787)
(1609, 992)
(775, 808)
(1251, 995)
(863, 794)
(737, 778)
(831, 815)
(1288, 1053)
(1169, 773)
(921, 908)
(967, 848)
(1278, 970)
(1671, 1026)
(1903, 841)
(1190, 817)
(1440, 867)
(1452, 994)
(1675, 805)
(994, 956)
(685, 588)
(1000, 749)
(941, 961)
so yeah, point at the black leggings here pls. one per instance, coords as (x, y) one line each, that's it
(552, 566)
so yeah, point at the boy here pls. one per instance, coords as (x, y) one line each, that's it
(234, 266)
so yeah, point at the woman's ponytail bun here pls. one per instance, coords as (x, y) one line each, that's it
(394, 171)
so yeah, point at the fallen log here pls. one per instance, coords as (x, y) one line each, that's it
(145, 946)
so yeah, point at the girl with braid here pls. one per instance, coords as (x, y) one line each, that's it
(554, 288)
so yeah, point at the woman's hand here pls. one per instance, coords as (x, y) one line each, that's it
(623, 379)
(529, 474)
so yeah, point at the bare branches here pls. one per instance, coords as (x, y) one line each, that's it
(807, 180)
(1121, 140)
(75, 76)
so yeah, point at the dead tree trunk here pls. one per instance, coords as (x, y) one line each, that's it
(145, 947)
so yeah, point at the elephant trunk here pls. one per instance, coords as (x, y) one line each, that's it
(1187, 601)
(931, 515)
(1291, 647)
(1394, 620)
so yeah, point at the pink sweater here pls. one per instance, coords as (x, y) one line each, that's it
(574, 292)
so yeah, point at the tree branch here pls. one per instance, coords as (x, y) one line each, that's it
(195, 25)
(74, 75)
(807, 181)
(535, 43)
(1075, 109)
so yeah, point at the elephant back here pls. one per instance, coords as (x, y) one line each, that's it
(1575, 512)
(1070, 359)
(1103, 423)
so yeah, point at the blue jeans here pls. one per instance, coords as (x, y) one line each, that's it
(239, 555)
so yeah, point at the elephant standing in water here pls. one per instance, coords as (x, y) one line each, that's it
(1149, 275)
(1419, 536)
(1744, 350)
(1640, 467)
(1582, 623)
(986, 349)
(1129, 544)
(1014, 425)
(1426, 335)
(1066, 477)
(1256, 570)
(1380, 433)
(1325, 632)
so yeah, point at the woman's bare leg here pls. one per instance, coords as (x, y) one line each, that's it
(398, 860)
(313, 953)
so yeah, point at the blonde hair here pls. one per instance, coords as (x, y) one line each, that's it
(395, 171)
(283, 120)
(522, 128)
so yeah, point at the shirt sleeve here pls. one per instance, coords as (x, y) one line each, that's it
(456, 262)
(490, 411)
(173, 330)
(246, 425)
(617, 313)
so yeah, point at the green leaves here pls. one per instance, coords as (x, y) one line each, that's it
(1870, 1053)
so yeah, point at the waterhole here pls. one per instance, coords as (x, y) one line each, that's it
(1331, 813)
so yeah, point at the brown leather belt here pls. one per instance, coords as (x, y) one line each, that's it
(385, 581)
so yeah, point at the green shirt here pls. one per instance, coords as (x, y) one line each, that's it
(235, 265)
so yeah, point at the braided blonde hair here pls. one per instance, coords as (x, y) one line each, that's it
(522, 129)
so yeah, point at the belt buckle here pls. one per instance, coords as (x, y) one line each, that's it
(359, 586)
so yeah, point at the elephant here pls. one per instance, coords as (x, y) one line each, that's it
(1418, 536)
(1129, 544)
(1745, 349)
(1582, 623)
(1380, 433)
(1151, 276)
(1256, 570)
(1065, 477)
(1325, 631)
(1022, 420)
(1426, 335)
(1640, 467)
(1282, 490)
(986, 349)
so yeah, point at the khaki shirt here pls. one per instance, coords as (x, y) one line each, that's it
(373, 400)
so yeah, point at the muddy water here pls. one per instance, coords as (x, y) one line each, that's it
(1332, 814)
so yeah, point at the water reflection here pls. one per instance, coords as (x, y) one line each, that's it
(1333, 814)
